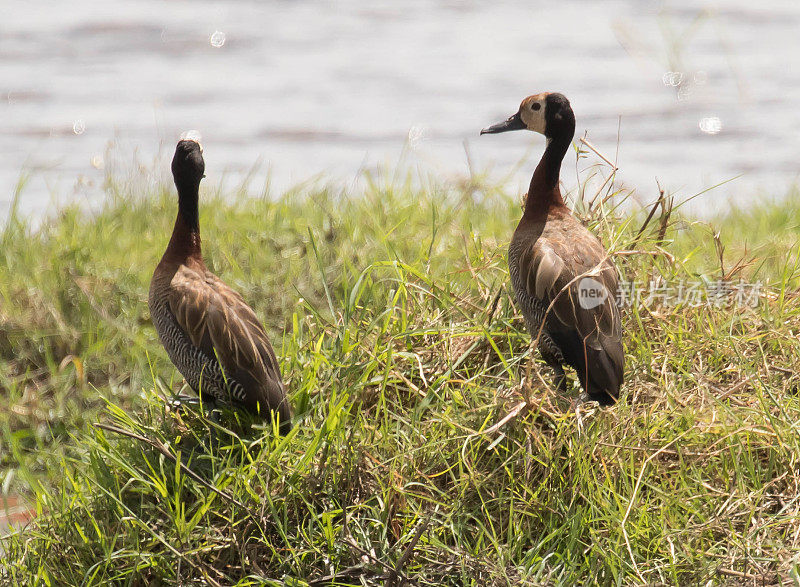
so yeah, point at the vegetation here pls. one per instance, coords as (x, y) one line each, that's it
(427, 446)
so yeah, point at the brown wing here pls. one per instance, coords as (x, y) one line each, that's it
(565, 276)
(219, 322)
(568, 271)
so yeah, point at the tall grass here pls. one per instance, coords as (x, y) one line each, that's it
(428, 446)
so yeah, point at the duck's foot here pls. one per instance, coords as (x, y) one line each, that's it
(181, 400)
(210, 408)
(560, 378)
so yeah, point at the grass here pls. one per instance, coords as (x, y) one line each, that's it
(428, 447)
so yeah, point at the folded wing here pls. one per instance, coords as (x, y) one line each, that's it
(577, 285)
(222, 325)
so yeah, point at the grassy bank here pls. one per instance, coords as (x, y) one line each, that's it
(419, 451)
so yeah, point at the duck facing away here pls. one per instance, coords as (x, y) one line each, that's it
(563, 280)
(210, 334)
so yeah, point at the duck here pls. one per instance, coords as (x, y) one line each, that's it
(563, 279)
(211, 335)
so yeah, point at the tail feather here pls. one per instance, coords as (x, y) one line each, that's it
(598, 362)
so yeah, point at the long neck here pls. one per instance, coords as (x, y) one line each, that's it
(544, 191)
(185, 241)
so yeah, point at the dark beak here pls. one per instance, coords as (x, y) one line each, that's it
(513, 123)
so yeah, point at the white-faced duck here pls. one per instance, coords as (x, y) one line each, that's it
(564, 282)
(211, 335)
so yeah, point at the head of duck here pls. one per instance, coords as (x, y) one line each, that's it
(550, 114)
(188, 169)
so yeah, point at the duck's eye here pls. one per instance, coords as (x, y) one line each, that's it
(536, 106)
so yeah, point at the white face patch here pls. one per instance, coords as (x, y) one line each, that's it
(534, 118)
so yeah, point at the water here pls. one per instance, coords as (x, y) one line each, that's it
(698, 92)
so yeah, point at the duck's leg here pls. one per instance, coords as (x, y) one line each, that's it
(178, 401)
(560, 379)
(210, 405)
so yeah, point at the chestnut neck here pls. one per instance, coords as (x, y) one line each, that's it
(185, 240)
(544, 192)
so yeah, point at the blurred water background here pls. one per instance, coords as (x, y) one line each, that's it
(697, 92)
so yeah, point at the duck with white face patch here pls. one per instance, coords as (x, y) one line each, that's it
(563, 279)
